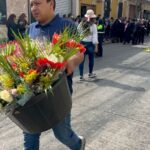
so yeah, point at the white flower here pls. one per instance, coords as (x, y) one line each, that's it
(6, 96)
(61, 59)
(55, 58)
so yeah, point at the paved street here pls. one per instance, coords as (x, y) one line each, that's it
(112, 112)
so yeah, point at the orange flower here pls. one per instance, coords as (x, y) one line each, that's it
(32, 70)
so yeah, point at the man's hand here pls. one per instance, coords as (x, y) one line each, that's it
(70, 67)
(73, 62)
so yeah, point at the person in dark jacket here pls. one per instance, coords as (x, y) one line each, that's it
(142, 31)
(135, 38)
(121, 29)
(101, 32)
(107, 29)
(127, 32)
(148, 28)
(22, 23)
(115, 29)
(11, 27)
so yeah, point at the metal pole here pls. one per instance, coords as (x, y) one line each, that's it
(72, 7)
(29, 11)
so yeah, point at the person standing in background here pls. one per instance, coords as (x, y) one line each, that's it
(11, 27)
(22, 23)
(90, 42)
(101, 32)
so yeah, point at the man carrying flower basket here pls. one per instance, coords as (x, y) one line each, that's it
(47, 24)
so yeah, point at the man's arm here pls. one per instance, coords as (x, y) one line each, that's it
(73, 62)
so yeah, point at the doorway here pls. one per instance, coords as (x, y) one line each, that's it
(83, 10)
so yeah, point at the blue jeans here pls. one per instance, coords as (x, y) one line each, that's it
(90, 47)
(62, 132)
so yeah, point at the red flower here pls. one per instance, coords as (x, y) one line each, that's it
(14, 66)
(2, 45)
(13, 42)
(21, 74)
(42, 62)
(57, 65)
(17, 52)
(81, 48)
(71, 44)
(55, 38)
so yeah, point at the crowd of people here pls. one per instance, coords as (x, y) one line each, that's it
(115, 30)
(126, 31)
(118, 29)
(121, 30)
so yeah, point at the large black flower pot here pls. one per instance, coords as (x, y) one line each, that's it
(43, 112)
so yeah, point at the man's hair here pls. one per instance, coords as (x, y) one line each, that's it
(54, 3)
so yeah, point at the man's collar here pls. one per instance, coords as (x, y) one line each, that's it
(51, 23)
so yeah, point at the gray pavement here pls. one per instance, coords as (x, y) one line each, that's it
(112, 111)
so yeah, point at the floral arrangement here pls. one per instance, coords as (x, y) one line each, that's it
(29, 67)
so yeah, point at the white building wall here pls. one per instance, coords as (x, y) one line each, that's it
(63, 7)
(17, 7)
(75, 7)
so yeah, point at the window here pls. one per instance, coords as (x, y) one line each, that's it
(2, 11)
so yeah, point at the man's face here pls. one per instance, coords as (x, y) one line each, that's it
(41, 10)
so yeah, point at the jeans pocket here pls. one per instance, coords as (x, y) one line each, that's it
(90, 48)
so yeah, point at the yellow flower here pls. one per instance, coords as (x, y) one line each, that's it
(23, 66)
(29, 78)
(21, 89)
(45, 81)
(7, 81)
(6, 96)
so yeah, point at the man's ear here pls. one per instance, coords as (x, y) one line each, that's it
(52, 4)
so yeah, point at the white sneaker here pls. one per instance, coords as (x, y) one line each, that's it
(83, 141)
(92, 75)
(82, 78)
